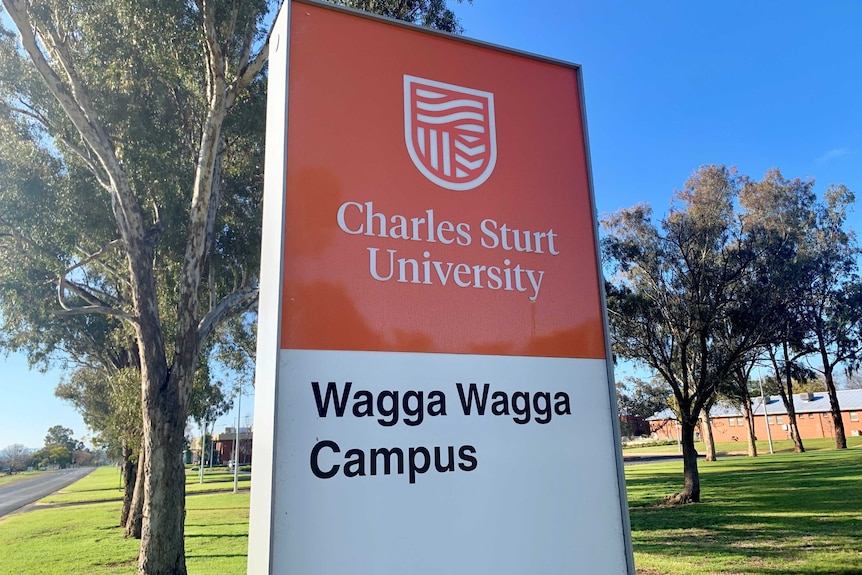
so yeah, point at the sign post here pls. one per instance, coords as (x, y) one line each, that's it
(434, 391)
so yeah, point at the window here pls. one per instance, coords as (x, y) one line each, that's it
(739, 421)
(778, 419)
(810, 416)
(854, 416)
(771, 419)
(732, 421)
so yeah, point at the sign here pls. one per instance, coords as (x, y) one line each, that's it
(449, 131)
(433, 389)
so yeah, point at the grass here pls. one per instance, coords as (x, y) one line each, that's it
(787, 514)
(779, 445)
(82, 537)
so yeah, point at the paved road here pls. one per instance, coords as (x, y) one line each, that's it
(16, 495)
(638, 459)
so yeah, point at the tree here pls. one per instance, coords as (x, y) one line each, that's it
(684, 297)
(110, 404)
(831, 307)
(52, 455)
(639, 398)
(737, 390)
(779, 213)
(64, 436)
(150, 116)
(15, 458)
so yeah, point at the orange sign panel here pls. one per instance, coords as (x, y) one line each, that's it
(437, 200)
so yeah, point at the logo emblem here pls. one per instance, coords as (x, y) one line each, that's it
(449, 132)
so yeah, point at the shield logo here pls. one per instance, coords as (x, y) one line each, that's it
(449, 131)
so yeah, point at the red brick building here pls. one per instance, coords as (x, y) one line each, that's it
(225, 442)
(813, 418)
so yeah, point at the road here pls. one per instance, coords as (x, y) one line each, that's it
(16, 495)
(654, 458)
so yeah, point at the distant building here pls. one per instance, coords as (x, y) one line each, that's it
(222, 446)
(813, 417)
(225, 442)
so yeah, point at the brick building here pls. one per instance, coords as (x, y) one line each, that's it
(225, 442)
(813, 418)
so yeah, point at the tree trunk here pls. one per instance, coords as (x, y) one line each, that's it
(786, 392)
(129, 471)
(708, 439)
(691, 489)
(162, 542)
(136, 509)
(835, 408)
(749, 424)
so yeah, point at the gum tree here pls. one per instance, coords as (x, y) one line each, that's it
(137, 194)
(684, 299)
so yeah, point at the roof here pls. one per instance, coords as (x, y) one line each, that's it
(848, 399)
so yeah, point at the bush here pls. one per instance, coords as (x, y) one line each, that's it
(656, 443)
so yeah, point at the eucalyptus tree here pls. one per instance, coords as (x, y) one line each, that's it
(831, 302)
(737, 390)
(684, 297)
(109, 401)
(816, 265)
(779, 215)
(136, 194)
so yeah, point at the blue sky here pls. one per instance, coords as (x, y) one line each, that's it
(670, 86)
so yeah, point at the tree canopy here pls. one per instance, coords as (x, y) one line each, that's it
(738, 270)
(131, 143)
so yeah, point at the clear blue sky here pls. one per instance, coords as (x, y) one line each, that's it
(670, 86)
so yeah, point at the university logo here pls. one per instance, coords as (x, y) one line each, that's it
(449, 132)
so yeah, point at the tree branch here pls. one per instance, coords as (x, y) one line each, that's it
(37, 117)
(78, 108)
(248, 72)
(238, 302)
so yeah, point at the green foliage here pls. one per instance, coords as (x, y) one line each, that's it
(131, 143)
(429, 13)
(110, 404)
(641, 398)
(50, 455)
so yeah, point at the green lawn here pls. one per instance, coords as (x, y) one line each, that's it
(786, 514)
(81, 536)
(779, 446)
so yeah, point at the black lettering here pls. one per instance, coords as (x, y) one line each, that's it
(436, 403)
(420, 469)
(391, 412)
(522, 410)
(561, 404)
(418, 412)
(466, 454)
(542, 406)
(364, 403)
(473, 394)
(501, 403)
(438, 464)
(315, 452)
(387, 460)
(331, 392)
(355, 463)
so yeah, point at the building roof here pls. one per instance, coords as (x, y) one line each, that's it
(816, 402)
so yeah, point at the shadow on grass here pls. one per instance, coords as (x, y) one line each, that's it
(214, 556)
(768, 516)
(216, 536)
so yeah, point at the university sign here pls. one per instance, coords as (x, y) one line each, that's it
(433, 393)
(449, 131)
